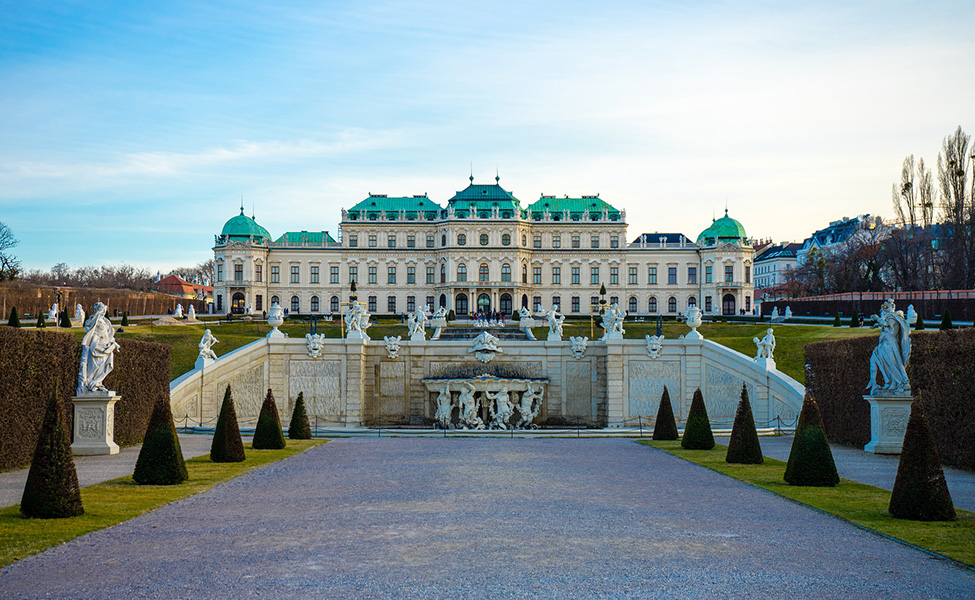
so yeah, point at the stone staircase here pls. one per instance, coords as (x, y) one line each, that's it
(469, 333)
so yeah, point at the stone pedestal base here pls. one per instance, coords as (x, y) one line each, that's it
(419, 336)
(94, 424)
(765, 363)
(553, 337)
(441, 323)
(888, 422)
(203, 362)
(358, 336)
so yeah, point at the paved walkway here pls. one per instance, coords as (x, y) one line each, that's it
(484, 518)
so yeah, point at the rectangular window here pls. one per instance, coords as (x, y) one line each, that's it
(708, 274)
(275, 274)
(556, 275)
(219, 272)
(691, 275)
(537, 304)
(652, 276)
(614, 300)
(314, 274)
(556, 241)
(537, 275)
(372, 275)
(430, 302)
(390, 275)
(575, 276)
(537, 241)
(748, 304)
(430, 242)
(295, 274)
(372, 304)
(614, 276)
(353, 274)
(411, 303)
(259, 302)
(748, 276)
(707, 302)
(594, 241)
(593, 303)
(575, 304)
(575, 241)
(238, 272)
(614, 242)
(729, 273)
(353, 241)
(333, 274)
(410, 276)
(671, 275)
(258, 273)
(632, 276)
(372, 241)
(391, 304)
(410, 243)
(594, 275)
(391, 241)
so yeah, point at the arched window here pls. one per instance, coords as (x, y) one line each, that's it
(461, 272)
(484, 239)
(632, 308)
(524, 273)
(505, 272)
(506, 239)
(460, 304)
(314, 304)
(443, 240)
(443, 273)
(692, 301)
(295, 304)
(524, 240)
(410, 303)
(461, 239)
(672, 304)
(334, 304)
(482, 273)
(505, 303)
(652, 305)
(275, 300)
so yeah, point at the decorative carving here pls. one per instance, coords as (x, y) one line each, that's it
(766, 345)
(445, 408)
(392, 345)
(894, 420)
(889, 358)
(500, 408)
(529, 406)
(468, 408)
(485, 347)
(416, 322)
(723, 393)
(90, 422)
(693, 320)
(320, 380)
(275, 318)
(646, 384)
(98, 348)
(578, 345)
(655, 344)
(357, 321)
(315, 342)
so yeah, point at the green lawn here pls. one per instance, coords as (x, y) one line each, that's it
(858, 503)
(118, 500)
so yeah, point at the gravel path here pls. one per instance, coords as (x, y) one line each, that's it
(484, 518)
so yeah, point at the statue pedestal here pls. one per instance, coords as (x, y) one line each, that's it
(529, 323)
(611, 336)
(888, 422)
(693, 335)
(358, 336)
(419, 336)
(438, 323)
(553, 337)
(203, 362)
(767, 364)
(94, 424)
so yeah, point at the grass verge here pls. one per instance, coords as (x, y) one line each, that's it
(118, 500)
(859, 503)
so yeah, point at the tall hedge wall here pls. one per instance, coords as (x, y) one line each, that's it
(942, 371)
(31, 360)
(33, 299)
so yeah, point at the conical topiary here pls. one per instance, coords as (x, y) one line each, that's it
(227, 445)
(920, 491)
(665, 428)
(919, 324)
(14, 320)
(65, 320)
(811, 459)
(946, 321)
(125, 319)
(160, 459)
(697, 429)
(744, 447)
(41, 323)
(52, 490)
(268, 434)
(299, 428)
(836, 320)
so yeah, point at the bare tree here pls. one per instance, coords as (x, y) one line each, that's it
(958, 210)
(9, 265)
(60, 273)
(908, 252)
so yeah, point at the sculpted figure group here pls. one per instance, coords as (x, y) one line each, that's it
(500, 405)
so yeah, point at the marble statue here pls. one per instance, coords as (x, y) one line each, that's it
(79, 313)
(275, 318)
(655, 343)
(911, 315)
(249, 310)
(468, 408)
(766, 345)
(416, 322)
(524, 313)
(178, 314)
(788, 312)
(612, 322)
(206, 346)
(485, 347)
(889, 358)
(775, 313)
(315, 343)
(578, 345)
(356, 321)
(98, 348)
(191, 313)
(554, 323)
(529, 406)
(53, 315)
(501, 409)
(440, 313)
(445, 407)
(392, 344)
(693, 320)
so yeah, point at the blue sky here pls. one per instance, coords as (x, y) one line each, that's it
(130, 130)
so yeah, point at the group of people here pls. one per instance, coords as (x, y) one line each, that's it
(484, 318)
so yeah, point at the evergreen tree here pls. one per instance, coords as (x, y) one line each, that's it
(836, 320)
(744, 447)
(855, 319)
(125, 319)
(161, 458)
(65, 320)
(665, 428)
(268, 434)
(227, 445)
(920, 491)
(299, 428)
(811, 459)
(41, 323)
(919, 325)
(946, 321)
(52, 490)
(697, 429)
(14, 320)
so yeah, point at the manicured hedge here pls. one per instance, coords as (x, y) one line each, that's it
(941, 368)
(34, 361)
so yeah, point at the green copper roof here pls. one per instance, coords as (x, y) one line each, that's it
(243, 228)
(484, 199)
(580, 209)
(392, 208)
(723, 230)
(315, 238)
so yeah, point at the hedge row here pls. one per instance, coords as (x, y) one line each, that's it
(32, 299)
(942, 372)
(34, 361)
(961, 309)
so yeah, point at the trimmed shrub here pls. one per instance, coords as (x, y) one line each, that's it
(920, 491)
(160, 459)
(744, 447)
(946, 321)
(299, 428)
(811, 459)
(14, 320)
(41, 323)
(451, 316)
(64, 319)
(125, 319)
(919, 325)
(836, 320)
(268, 434)
(52, 490)
(227, 445)
(697, 429)
(855, 319)
(665, 427)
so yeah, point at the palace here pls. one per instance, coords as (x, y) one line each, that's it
(484, 250)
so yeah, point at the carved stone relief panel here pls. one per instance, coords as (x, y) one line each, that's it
(392, 388)
(248, 391)
(578, 389)
(321, 383)
(721, 395)
(647, 380)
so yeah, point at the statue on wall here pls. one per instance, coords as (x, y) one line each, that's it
(206, 346)
(554, 323)
(500, 408)
(79, 313)
(889, 358)
(392, 345)
(416, 322)
(578, 345)
(612, 322)
(468, 408)
(529, 406)
(445, 407)
(766, 345)
(655, 344)
(98, 347)
(788, 312)
(524, 313)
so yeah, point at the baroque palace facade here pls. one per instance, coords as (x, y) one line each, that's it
(482, 251)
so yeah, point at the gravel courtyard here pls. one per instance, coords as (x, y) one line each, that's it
(484, 518)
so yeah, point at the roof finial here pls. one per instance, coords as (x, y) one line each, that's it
(726, 205)
(497, 175)
(241, 204)
(253, 212)
(472, 172)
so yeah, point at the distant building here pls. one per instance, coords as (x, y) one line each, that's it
(772, 262)
(174, 285)
(837, 235)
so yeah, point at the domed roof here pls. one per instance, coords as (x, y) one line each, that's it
(723, 230)
(243, 227)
